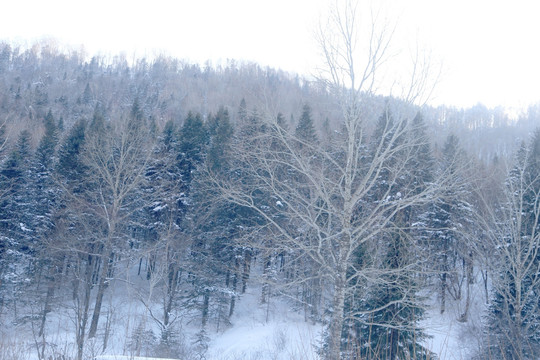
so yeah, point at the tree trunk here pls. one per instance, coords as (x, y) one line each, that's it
(443, 292)
(82, 312)
(265, 285)
(206, 302)
(234, 286)
(103, 283)
(48, 299)
(444, 284)
(172, 281)
(336, 322)
(247, 268)
(394, 337)
(470, 280)
(485, 279)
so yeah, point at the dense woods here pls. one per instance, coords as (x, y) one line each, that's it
(192, 184)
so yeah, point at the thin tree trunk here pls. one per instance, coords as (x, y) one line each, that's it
(103, 283)
(247, 268)
(485, 279)
(464, 317)
(82, 313)
(265, 285)
(443, 293)
(444, 283)
(234, 287)
(171, 292)
(46, 306)
(206, 302)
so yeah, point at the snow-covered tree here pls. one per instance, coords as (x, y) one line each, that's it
(513, 227)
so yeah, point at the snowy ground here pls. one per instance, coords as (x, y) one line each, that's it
(452, 339)
(257, 331)
(262, 332)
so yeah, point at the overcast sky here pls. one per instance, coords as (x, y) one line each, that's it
(489, 49)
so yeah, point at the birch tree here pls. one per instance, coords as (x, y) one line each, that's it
(314, 200)
(512, 228)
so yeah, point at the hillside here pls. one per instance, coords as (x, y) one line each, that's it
(159, 208)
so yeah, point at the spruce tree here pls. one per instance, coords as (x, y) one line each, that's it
(45, 189)
(305, 130)
(47, 195)
(192, 142)
(18, 250)
(70, 165)
(220, 131)
(242, 111)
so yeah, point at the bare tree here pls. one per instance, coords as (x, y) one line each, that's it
(315, 200)
(512, 225)
(100, 207)
(118, 160)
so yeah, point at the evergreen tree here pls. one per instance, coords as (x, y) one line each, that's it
(136, 110)
(422, 163)
(70, 164)
(17, 252)
(448, 218)
(87, 95)
(47, 195)
(422, 172)
(47, 145)
(280, 121)
(192, 144)
(305, 130)
(220, 131)
(15, 172)
(44, 188)
(242, 111)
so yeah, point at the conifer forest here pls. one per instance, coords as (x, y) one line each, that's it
(141, 201)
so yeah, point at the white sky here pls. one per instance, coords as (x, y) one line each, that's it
(489, 49)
